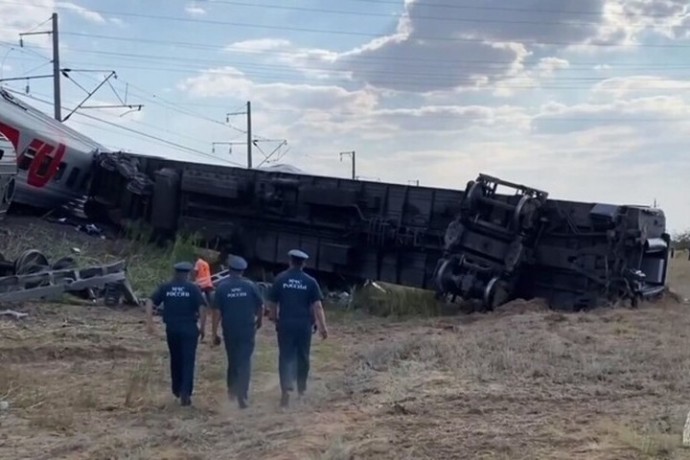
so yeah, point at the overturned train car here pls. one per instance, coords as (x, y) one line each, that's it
(474, 244)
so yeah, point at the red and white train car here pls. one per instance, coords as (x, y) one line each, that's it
(54, 161)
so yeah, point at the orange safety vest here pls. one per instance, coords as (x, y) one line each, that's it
(203, 274)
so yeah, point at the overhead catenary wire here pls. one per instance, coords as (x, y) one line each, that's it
(133, 131)
(155, 99)
(175, 107)
(431, 115)
(399, 78)
(353, 59)
(412, 113)
(458, 5)
(160, 101)
(352, 32)
(403, 113)
(391, 113)
(305, 9)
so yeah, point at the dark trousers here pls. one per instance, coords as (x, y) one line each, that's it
(294, 344)
(239, 350)
(182, 347)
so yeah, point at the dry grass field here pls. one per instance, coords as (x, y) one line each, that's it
(86, 382)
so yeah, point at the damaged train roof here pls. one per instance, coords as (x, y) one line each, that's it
(17, 116)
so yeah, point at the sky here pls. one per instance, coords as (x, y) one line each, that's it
(588, 100)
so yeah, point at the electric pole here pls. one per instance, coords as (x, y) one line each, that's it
(249, 135)
(56, 69)
(57, 102)
(413, 181)
(351, 154)
(250, 140)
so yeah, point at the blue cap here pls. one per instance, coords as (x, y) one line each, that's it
(183, 267)
(298, 254)
(237, 263)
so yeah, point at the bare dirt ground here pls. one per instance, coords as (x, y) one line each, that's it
(86, 382)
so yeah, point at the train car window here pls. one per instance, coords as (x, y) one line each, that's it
(73, 176)
(60, 171)
(26, 159)
(44, 166)
(2, 154)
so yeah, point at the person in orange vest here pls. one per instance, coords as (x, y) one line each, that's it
(202, 278)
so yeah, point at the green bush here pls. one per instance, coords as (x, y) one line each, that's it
(394, 301)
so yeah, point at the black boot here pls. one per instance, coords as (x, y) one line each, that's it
(185, 401)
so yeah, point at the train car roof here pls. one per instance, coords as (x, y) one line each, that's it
(283, 168)
(19, 115)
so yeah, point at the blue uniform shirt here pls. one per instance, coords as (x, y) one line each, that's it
(181, 301)
(295, 292)
(239, 302)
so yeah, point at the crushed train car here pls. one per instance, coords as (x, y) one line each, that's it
(53, 160)
(575, 255)
(475, 244)
(354, 230)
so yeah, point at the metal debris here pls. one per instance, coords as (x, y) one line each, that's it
(15, 314)
(32, 277)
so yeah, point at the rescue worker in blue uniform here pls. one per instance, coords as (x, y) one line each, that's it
(294, 303)
(238, 303)
(184, 315)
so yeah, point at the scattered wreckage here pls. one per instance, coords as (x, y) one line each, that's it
(32, 277)
(475, 244)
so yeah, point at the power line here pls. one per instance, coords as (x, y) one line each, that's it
(396, 113)
(155, 99)
(438, 63)
(432, 18)
(171, 106)
(456, 6)
(355, 33)
(401, 83)
(161, 101)
(391, 77)
(404, 83)
(134, 131)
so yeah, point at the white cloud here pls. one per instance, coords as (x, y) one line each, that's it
(85, 13)
(618, 87)
(229, 81)
(477, 44)
(548, 66)
(19, 17)
(625, 20)
(193, 9)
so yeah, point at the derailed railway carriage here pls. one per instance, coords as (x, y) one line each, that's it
(475, 244)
